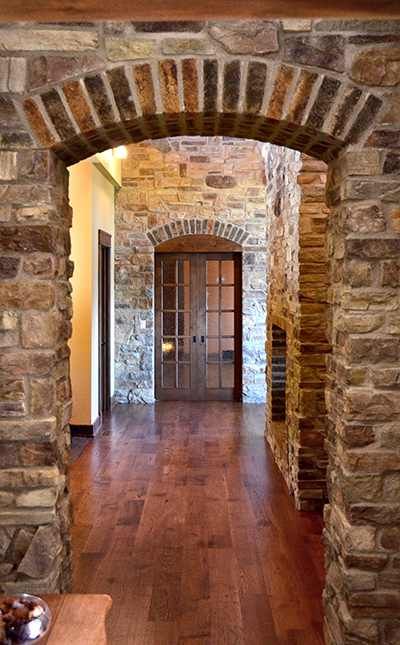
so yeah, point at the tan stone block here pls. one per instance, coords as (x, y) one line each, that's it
(42, 397)
(28, 517)
(363, 299)
(8, 165)
(377, 66)
(41, 497)
(8, 321)
(367, 218)
(366, 405)
(5, 213)
(254, 37)
(39, 264)
(359, 324)
(129, 49)
(297, 24)
(20, 362)
(16, 478)
(372, 350)
(357, 274)
(40, 329)
(17, 75)
(178, 46)
(386, 378)
(27, 295)
(47, 39)
(33, 214)
(6, 499)
(26, 430)
(365, 162)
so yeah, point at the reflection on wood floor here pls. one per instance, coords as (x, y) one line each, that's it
(182, 516)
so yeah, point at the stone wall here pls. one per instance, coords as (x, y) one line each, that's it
(173, 182)
(35, 312)
(283, 203)
(298, 277)
(363, 518)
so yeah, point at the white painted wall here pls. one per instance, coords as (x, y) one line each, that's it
(92, 197)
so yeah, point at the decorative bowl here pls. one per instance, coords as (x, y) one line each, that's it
(24, 619)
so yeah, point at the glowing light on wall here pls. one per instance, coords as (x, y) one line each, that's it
(121, 152)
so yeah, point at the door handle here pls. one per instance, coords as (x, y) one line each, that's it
(194, 339)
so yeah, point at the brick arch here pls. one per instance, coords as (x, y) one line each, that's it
(191, 226)
(313, 111)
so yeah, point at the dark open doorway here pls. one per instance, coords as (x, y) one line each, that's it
(104, 322)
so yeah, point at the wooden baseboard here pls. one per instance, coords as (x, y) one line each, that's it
(89, 430)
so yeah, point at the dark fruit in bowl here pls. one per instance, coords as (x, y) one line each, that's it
(23, 619)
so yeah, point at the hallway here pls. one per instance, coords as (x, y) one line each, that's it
(182, 517)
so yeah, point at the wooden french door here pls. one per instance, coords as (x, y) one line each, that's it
(198, 326)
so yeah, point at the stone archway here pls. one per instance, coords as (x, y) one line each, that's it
(303, 98)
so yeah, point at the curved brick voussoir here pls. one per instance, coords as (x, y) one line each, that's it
(192, 226)
(285, 104)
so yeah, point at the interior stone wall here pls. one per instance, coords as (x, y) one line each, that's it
(298, 278)
(169, 182)
(283, 204)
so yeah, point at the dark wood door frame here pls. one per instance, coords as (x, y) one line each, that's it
(104, 309)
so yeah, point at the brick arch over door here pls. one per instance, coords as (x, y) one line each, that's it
(292, 90)
(190, 226)
(313, 111)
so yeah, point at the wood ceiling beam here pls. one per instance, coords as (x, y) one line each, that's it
(88, 10)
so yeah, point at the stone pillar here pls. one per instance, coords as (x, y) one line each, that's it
(362, 595)
(311, 344)
(35, 397)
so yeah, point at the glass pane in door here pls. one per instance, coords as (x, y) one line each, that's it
(220, 324)
(175, 324)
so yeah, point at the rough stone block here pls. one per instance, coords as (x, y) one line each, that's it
(169, 26)
(129, 49)
(40, 557)
(256, 37)
(47, 39)
(182, 46)
(42, 497)
(190, 84)
(99, 97)
(37, 123)
(8, 165)
(145, 90)
(255, 86)
(316, 51)
(9, 267)
(169, 85)
(27, 295)
(122, 93)
(377, 66)
(367, 218)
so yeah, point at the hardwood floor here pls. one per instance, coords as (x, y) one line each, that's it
(182, 516)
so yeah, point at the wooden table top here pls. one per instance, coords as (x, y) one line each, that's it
(78, 619)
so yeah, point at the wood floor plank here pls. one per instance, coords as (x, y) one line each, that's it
(181, 515)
